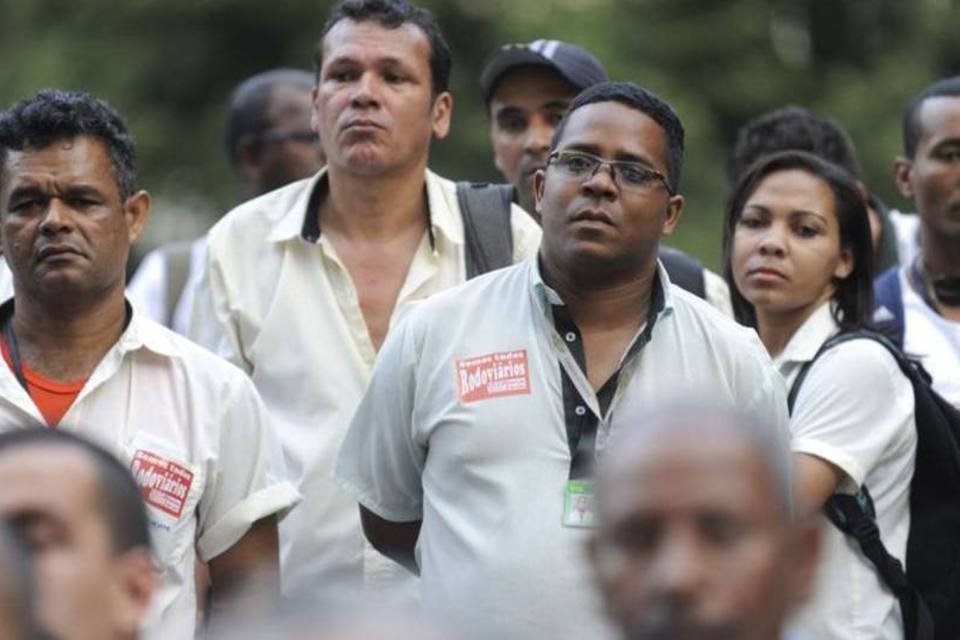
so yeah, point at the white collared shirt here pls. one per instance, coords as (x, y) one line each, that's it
(464, 426)
(191, 427)
(932, 339)
(855, 409)
(286, 310)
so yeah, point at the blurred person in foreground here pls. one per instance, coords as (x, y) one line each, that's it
(83, 519)
(473, 452)
(795, 128)
(303, 284)
(919, 303)
(269, 143)
(526, 89)
(79, 358)
(696, 538)
(369, 621)
(17, 588)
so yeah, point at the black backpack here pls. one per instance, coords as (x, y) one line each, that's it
(929, 590)
(485, 209)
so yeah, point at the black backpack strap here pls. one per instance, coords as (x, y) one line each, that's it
(854, 515)
(487, 234)
(684, 271)
(888, 317)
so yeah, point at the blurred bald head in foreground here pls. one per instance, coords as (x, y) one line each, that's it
(16, 589)
(696, 538)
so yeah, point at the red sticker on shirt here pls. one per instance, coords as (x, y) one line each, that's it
(492, 376)
(163, 483)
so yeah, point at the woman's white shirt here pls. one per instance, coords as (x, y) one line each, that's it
(855, 409)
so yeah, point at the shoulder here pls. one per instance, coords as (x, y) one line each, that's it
(250, 222)
(698, 317)
(862, 365)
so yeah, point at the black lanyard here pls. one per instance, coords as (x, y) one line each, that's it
(15, 362)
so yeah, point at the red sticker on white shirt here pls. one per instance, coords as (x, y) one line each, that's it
(492, 376)
(163, 483)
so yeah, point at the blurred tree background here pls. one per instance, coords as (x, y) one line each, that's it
(169, 66)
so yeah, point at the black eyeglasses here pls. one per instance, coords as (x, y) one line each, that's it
(626, 174)
(275, 136)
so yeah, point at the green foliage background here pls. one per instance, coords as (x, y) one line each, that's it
(169, 66)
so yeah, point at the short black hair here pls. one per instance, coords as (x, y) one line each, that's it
(53, 115)
(644, 101)
(120, 499)
(853, 299)
(392, 14)
(250, 101)
(912, 127)
(791, 128)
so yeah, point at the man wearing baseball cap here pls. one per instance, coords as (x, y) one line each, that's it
(527, 88)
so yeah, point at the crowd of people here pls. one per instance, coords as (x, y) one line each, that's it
(374, 402)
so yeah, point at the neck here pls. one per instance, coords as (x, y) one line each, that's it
(777, 327)
(940, 254)
(375, 209)
(607, 300)
(66, 342)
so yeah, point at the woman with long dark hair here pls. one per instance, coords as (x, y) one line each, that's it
(798, 259)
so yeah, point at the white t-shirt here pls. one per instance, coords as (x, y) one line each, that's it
(148, 287)
(855, 409)
(934, 340)
(907, 228)
(285, 310)
(464, 426)
(196, 437)
(6, 280)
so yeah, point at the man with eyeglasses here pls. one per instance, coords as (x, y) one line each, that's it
(270, 144)
(472, 453)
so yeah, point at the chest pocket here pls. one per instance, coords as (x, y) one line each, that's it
(171, 488)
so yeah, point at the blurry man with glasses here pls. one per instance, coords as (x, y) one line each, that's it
(473, 452)
(270, 144)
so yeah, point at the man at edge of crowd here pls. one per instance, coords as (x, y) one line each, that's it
(81, 514)
(526, 89)
(921, 299)
(696, 536)
(302, 284)
(77, 357)
(472, 453)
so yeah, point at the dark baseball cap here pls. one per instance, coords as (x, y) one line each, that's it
(575, 64)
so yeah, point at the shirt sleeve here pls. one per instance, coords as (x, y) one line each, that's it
(853, 406)
(381, 460)
(526, 234)
(148, 286)
(247, 481)
(211, 323)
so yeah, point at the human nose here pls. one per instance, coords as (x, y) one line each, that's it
(539, 137)
(600, 183)
(772, 242)
(678, 569)
(56, 218)
(365, 91)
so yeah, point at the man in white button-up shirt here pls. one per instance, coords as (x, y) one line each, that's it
(303, 284)
(77, 357)
(472, 452)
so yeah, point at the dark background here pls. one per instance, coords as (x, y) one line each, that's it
(169, 65)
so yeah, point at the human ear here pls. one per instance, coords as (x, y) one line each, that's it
(845, 265)
(440, 115)
(539, 178)
(135, 584)
(136, 209)
(674, 211)
(902, 170)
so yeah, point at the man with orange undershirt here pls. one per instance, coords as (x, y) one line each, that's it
(191, 427)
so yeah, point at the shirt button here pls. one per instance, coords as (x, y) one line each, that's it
(571, 336)
(580, 410)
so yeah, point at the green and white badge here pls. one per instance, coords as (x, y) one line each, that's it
(578, 504)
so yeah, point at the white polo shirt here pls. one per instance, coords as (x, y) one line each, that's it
(196, 437)
(465, 426)
(933, 339)
(284, 309)
(148, 286)
(855, 409)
